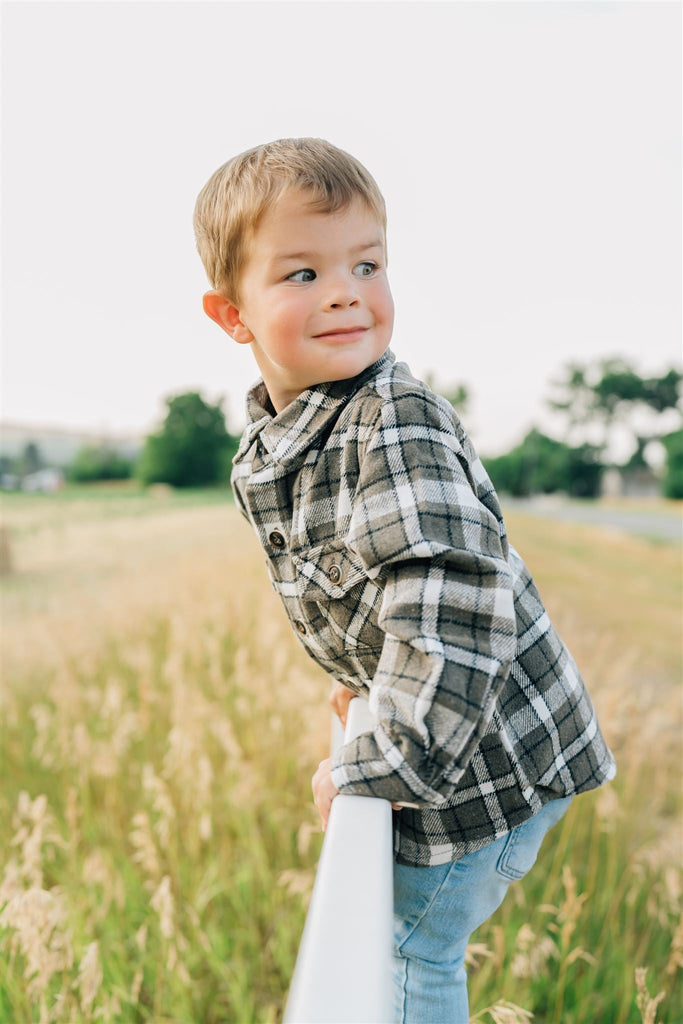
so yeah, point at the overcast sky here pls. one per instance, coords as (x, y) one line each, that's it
(529, 153)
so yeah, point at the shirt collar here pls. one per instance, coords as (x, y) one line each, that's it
(292, 430)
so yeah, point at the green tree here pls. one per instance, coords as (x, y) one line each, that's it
(98, 462)
(31, 459)
(608, 392)
(673, 477)
(584, 469)
(542, 465)
(193, 447)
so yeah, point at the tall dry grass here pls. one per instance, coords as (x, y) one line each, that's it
(160, 728)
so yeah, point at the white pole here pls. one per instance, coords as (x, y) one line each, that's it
(343, 970)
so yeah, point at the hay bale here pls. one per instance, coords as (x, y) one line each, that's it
(160, 492)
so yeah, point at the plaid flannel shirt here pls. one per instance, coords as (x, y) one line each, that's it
(385, 541)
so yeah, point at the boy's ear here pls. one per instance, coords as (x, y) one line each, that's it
(227, 316)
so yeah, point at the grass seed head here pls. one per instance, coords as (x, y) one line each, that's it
(89, 977)
(644, 1001)
(162, 902)
(38, 920)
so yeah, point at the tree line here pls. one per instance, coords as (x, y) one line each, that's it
(595, 401)
(193, 447)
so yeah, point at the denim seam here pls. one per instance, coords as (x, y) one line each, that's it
(428, 907)
(404, 988)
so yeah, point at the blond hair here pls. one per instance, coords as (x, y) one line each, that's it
(237, 195)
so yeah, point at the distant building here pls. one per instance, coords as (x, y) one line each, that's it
(58, 446)
(48, 480)
(640, 482)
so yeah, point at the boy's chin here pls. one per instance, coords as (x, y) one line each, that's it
(352, 366)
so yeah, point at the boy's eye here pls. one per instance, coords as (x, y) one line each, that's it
(365, 269)
(304, 276)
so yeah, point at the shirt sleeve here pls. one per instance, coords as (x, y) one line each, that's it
(447, 610)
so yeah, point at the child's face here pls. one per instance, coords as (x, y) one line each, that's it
(316, 304)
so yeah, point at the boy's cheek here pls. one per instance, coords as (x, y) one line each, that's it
(285, 329)
(389, 308)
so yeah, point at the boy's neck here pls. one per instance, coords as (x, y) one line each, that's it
(278, 398)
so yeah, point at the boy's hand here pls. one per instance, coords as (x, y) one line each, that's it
(324, 790)
(340, 698)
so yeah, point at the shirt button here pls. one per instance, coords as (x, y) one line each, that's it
(276, 539)
(334, 574)
(300, 626)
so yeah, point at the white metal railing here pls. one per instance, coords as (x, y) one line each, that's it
(343, 970)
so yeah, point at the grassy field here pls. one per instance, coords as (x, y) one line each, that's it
(160, 726)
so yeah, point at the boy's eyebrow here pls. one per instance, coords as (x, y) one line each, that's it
(376, 243)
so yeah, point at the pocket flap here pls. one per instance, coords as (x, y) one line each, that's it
(327, 572)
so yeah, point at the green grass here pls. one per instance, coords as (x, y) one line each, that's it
(102, 501)
(156, 698)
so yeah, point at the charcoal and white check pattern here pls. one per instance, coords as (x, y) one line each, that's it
(385, 541)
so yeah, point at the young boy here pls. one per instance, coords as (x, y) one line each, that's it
(384, 538)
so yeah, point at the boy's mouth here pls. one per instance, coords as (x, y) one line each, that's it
(342, 332)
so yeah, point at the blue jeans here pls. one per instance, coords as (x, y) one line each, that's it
(436, 909)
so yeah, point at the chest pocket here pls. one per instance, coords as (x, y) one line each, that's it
(339, 600)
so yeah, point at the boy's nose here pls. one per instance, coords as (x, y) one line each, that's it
(341, 294)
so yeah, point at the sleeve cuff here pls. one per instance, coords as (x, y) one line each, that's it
(360, 770)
